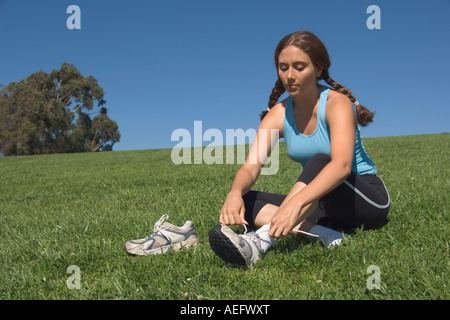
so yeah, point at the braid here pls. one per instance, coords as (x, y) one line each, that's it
(363, 114)
(277, 91)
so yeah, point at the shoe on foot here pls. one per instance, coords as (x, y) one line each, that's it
(244, 249)
(166, 237)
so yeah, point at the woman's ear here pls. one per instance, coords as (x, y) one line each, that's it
(319, 72)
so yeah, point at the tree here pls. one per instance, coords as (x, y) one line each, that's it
(50, 113)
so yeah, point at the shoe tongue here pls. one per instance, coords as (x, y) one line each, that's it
(158, 227)
(166, 225)
(160, 230)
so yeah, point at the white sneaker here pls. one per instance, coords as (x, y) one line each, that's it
(244, 249)
(166, 237)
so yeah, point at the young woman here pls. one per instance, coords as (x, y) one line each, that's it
(338, 184)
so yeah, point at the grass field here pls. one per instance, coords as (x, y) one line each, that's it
(78, 210)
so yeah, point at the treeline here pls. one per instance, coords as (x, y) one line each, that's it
(51, 113)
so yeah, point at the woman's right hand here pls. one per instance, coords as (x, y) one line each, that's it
(233, 210)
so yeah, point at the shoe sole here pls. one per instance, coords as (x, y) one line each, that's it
(192, 241)
(224, 247)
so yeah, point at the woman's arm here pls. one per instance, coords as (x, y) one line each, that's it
(341, 120)
(233, 210)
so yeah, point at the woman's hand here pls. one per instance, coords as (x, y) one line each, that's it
(285, 219)
(233, 210)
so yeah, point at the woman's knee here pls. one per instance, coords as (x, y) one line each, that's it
(321, 159)
(313, 167)
(249, 196)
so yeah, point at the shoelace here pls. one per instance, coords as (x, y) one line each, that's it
(306, 233)
(253, 233)
(157, 226)
(299, 231)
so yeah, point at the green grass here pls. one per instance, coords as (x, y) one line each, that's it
(80, 209)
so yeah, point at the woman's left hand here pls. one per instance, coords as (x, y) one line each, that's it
(285, 219)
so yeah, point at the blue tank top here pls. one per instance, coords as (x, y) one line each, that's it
(302, 147)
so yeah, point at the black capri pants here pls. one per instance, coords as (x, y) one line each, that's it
(358, 201)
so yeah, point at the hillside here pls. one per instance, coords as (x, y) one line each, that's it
(79, 210)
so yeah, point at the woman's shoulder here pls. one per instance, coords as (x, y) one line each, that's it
(337, 101)
(278, 109)
(275, 117)
(338, 104)
(281, 106)
(336, 98)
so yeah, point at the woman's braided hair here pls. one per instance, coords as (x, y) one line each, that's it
(314, 47)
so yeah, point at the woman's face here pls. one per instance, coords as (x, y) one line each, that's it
(296, 71)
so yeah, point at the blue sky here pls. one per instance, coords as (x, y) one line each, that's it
(166, 64)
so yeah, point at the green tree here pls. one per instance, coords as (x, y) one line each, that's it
(50, 113)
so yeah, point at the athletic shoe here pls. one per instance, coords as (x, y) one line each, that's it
(244, 249)
(166, 237)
